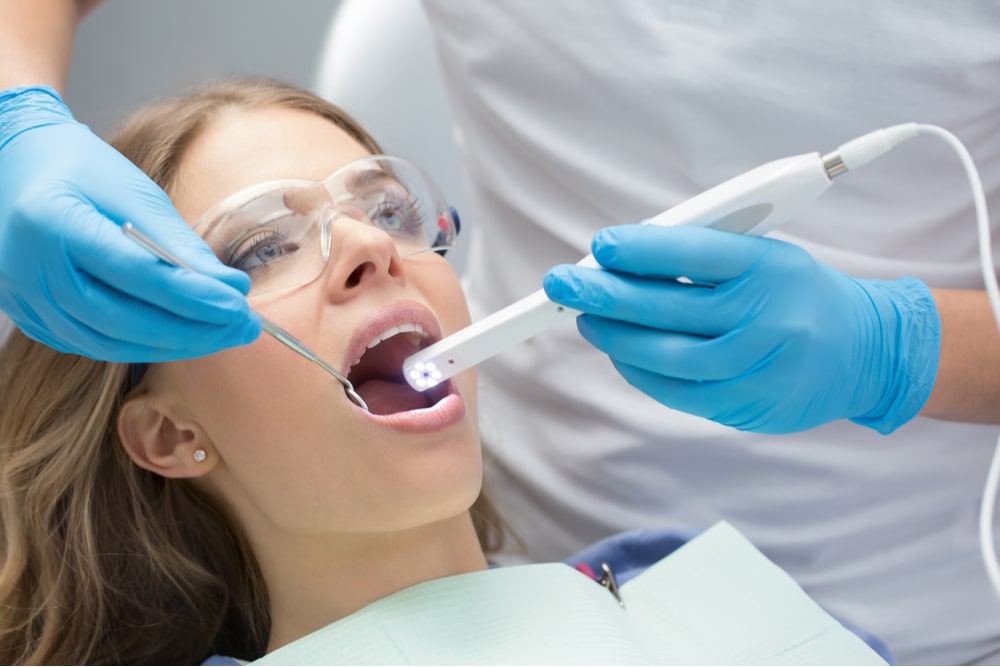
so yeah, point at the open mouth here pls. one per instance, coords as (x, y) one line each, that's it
(378, 375)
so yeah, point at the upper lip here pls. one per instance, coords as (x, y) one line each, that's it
(382, 320)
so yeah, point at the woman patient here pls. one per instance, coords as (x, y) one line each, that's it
(234, 503)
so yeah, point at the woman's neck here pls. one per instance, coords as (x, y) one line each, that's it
(314, 582)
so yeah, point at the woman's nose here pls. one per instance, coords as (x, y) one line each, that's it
(361, 256)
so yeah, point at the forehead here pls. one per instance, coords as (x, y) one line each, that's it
(243, 147)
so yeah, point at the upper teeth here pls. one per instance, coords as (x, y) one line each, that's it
(406, 327)
(402, 328)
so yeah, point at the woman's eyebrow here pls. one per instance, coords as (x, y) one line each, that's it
(368, 178)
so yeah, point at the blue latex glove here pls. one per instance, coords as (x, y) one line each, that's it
(767, 340)
(68, 276)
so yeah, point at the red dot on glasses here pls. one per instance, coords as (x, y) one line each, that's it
(442, 224)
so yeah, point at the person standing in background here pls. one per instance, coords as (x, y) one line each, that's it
(575, 117)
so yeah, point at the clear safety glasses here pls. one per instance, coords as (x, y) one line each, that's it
(280, 232)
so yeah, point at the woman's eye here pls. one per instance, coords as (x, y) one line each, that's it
(260, 251)
(389, 218)
(401, 216)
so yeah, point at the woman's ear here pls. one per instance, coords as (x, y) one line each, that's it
(157, 438)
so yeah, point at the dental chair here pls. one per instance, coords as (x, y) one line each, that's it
(380, 65)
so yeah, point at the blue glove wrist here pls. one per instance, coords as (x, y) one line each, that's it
(26, 108)
(913, 351)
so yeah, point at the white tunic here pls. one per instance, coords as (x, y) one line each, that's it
(574, 116)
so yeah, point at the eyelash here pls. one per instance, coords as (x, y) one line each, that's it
(410, 209)
(257, 240)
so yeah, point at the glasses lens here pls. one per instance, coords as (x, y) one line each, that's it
(279, 232)
(270, 233)
(400, 199)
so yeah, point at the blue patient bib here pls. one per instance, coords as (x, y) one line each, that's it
(716, 600)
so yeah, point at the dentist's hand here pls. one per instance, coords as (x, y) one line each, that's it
(68, 276)
(766, 340)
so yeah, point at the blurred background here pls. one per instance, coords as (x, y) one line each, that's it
(130, 51)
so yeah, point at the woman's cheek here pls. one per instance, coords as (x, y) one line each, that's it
(236, 383)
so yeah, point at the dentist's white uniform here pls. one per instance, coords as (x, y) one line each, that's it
(574, 116)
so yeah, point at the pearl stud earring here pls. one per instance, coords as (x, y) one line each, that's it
(200, 455)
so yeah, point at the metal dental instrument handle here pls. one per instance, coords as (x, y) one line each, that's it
(270, 327)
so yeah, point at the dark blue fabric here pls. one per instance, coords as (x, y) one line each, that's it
(222, 661)
(629, 554)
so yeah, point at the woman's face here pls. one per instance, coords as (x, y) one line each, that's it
(286, 446)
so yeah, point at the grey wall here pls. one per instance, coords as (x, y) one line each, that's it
(129, 51)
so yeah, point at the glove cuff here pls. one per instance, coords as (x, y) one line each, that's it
(26, 108)
(917, 345)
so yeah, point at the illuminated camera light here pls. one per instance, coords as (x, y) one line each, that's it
(425, 375)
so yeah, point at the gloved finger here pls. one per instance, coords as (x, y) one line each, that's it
(701, 254)
(186, 245)
(676, 393)
(660, 303)
(53, 327)
(149, 208)
(204, 340)
(111, 258)
(710, 400)
(723, 402)
(130, 320)
(669, 354)
(32, 324)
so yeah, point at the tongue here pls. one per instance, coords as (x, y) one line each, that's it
(385, 397)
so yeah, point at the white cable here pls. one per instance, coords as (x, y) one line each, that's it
(867, 147)
(986, 545)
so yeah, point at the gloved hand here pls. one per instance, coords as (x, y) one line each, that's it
(766, 338)
(68, 276)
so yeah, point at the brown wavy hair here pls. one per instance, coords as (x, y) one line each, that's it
(102, 561)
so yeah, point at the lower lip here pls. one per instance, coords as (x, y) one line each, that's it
(448, 411)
